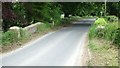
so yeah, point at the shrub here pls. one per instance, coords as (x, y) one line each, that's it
(117, 37)
(100, 32)
(111, 18)
(97, 30)
(100, 22)
(9, 37)
(110, 32)
(92, 32)
(44, 27)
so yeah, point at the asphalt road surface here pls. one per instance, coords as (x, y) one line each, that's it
(60, 48)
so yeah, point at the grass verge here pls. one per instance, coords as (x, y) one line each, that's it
(103, 53)
(23, 40)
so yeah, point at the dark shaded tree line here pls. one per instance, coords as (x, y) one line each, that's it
(26, 13)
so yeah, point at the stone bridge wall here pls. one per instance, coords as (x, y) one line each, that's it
(29, 30)
(32, 28)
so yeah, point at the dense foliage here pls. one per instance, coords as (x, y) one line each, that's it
(25, 13)
(111, 18)
(113, 8)
(100, 21)
(109, 31)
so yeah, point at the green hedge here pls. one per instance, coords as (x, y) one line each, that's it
(110, 31)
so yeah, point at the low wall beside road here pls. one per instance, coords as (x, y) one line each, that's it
(32, 28)
(29, 30)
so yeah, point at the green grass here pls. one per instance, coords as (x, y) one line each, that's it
(104, 43)
(103, 53)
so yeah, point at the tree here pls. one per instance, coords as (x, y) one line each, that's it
(25, 13)
(113, 8)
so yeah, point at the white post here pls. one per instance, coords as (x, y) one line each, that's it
(53, 23)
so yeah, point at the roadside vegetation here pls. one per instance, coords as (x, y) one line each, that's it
(104, 34)
(103, 53)
(104, 42)
(11, 41)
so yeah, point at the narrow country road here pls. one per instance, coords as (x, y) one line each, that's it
(60, 48)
